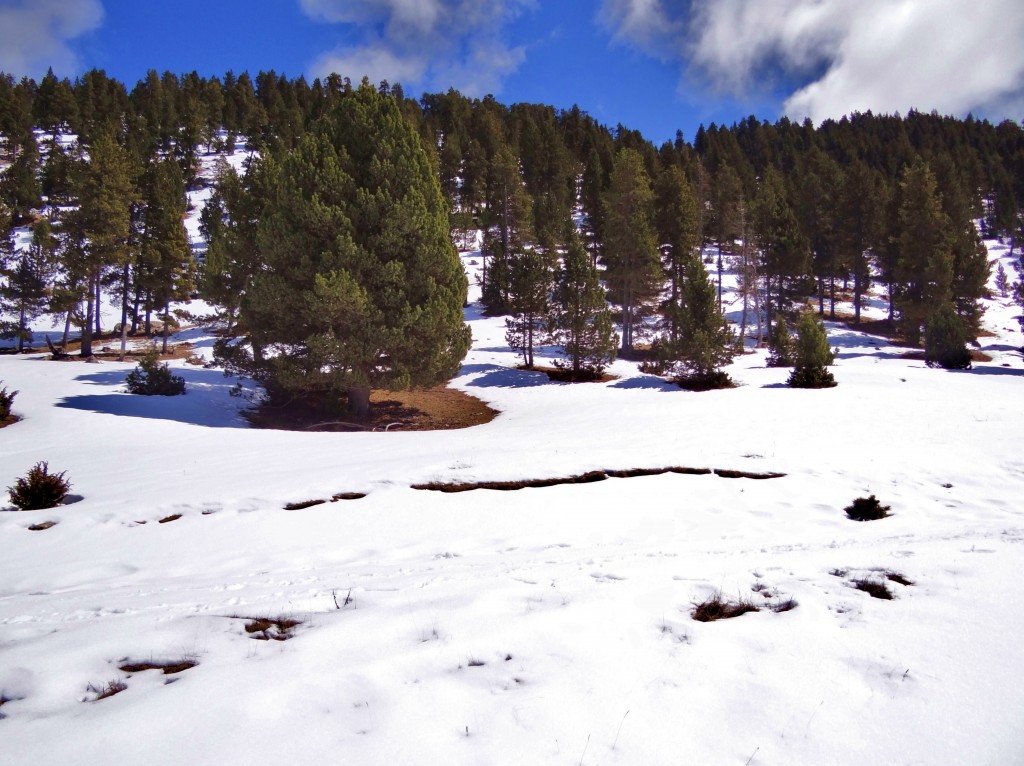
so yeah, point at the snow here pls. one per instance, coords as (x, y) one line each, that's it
(542, 626)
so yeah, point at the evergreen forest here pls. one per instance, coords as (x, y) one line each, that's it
(332, 250)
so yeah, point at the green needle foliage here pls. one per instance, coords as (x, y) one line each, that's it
(945, 343)
(813, 356)
(359, 285)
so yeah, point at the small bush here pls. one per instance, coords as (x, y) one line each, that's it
(812, 356)
(867, 509)
(6, 399)
(709, 381)
(39, 489)
(151, 378)
(945, 343)
(781, 346)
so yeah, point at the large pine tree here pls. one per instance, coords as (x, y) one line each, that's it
(924, 269)
(633, 267)
(580, 319)
(359, 285)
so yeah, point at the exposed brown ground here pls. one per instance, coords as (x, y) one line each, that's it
(429, 409)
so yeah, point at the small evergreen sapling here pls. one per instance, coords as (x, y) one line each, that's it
(781, 348)
(812, 356)
(39, 489)
(945, 341)
(1002, 282)
(6, 400)
(151, 378)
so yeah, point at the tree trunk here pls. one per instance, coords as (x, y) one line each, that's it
(99, 304)
(86, 349)
(21, 330)
(167, 326)
(719, 277)
(359, 401)
(857, 288)
(124, 314)
(832, 297)
(67, 331)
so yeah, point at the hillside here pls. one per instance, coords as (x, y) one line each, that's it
(546, 625)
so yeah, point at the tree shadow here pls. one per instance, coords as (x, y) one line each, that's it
(207, 400)
(645, 382)
(494, 376)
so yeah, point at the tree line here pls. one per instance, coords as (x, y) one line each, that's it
(575, 215)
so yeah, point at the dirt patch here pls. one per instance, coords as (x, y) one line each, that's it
(43, 525)
(429, 409)
(167, 519)
(9, 420)
(592, 476)
(168, 668)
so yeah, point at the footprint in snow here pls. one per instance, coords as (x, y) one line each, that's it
(602, 576)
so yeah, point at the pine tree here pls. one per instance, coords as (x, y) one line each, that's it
(106, 193)
(706, 342)
(726, 207)
(229, 222)
(529, 291)
(359, 285)
(782, 346)
(676, 217)
(786, 257)
(861, 206)
(632, 263)
(924, 270)
(23, 292)
(812, 355)
(166, 268)
(580, 319)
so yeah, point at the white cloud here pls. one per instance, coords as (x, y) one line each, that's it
(432, 43)
(953, 56)
(36, 34)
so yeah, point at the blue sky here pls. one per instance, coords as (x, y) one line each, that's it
(652, 65)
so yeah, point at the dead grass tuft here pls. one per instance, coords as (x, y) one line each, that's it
(108, 690)
(714, 607)
(43, 525)
(270, 628)
(874, 589)
(172, 517)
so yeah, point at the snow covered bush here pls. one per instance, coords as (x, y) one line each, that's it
(151, 378)
(39, 489)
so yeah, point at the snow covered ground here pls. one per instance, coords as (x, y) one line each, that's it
(542, 626)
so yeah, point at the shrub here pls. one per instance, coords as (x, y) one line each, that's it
(867, 509)
(708, 381)
(150, 378)
(781, 348)
(39, 489)
(812, 356)
(6, 400)
(945, 341)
